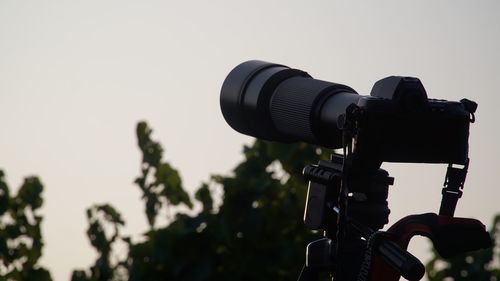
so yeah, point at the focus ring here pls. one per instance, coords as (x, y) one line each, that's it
(292, 106)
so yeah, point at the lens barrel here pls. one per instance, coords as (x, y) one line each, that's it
(277, 103)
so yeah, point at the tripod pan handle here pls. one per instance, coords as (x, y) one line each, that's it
(401, 260)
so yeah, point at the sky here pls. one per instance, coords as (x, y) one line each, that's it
(77, 76)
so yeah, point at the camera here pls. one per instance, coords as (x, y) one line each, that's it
(397, 122)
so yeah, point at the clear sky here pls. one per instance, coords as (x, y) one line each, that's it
(76, 76)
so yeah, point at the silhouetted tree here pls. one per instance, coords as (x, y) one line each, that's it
(104, 230)
(20, 234)
(253, 232)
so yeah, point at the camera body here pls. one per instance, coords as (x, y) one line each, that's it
(408, 127)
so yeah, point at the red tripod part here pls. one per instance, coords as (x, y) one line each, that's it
(450, 236)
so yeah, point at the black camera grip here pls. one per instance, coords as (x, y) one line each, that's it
(401, 260)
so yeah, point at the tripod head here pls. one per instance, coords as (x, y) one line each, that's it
(347, 196)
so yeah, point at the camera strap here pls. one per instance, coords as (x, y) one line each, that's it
(452, 191)
(365, 269)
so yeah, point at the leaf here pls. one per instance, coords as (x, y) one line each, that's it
(4, 194)
(38, 274)
(152, 207)
(79, 275)
(30, 193)
(111, 214)
(169, 178)
(151, 150)
(203, 195)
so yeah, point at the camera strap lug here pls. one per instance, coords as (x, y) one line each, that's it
(452, 191)
(471, 107)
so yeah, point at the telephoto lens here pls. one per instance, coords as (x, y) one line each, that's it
(277, 103)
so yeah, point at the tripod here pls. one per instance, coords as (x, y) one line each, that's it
(347, 199)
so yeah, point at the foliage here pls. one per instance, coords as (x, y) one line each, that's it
(254, 233)
(165, 187)
(478, 265)
(20, 235)
(104, 230)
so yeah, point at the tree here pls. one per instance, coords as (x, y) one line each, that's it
(254, 233)
(20, 235)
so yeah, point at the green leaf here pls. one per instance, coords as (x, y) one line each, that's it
(152, 207)
(4, 194)
(203, 195)
(30, 193)
(169, 179)
(79, 275)
(151, 150)
(111, 214)
(38, 274)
